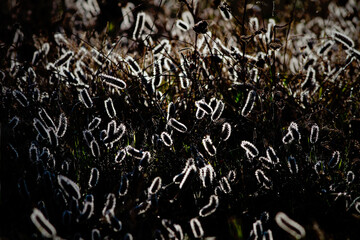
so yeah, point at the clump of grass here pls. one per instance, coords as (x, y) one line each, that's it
(183, 122)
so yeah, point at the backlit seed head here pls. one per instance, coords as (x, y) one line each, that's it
(85, 98)
(249, 103)
(21, 98)
(250, 149)
(166, 139)
(176, 125)
(155, 186)
(200, 113)
(263, 179)
(350, 176)
(182, 25)
(218, 110)
(69, 187)
(314, 135)
(95, 149)
(110, 204)
(94, 123)
(42, 224)
(208, 145)
(94, 177)
(289, 225)
(210, 207)
(120, 156)
(62, 127)
(225, 11)
(225, 185)
(271, 155)
(225, 131)
(292, 164)
(196, 228)
(335, 159)
(109, 106)
(288, 138)
(293, 128)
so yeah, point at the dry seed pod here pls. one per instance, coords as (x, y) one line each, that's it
(21, 98)
(94, 177)
(210, 207)
(166, 139)
(196, 228)
(250, 149)
(42, 224)
(314, 135)
(249, 103)
(178, 126)
(69, 187)
(290, 226)
(208, 145)
(109, 106)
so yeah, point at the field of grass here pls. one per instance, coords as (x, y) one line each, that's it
(180, 119)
